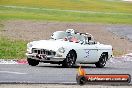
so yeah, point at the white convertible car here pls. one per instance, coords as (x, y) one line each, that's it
(68, 48)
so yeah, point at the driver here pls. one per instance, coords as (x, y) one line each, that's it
(74, 39)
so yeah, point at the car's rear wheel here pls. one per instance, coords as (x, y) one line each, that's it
(102, 61)
(32, 62)
(70, 60)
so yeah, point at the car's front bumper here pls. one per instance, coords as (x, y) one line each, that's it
(44, 58)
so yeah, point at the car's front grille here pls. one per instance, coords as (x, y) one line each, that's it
(43, 51)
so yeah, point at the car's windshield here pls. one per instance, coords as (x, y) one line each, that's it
(67, 36)
(76, 38)
(59, 35)
(71, 37)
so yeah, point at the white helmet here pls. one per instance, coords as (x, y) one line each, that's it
(72, 31)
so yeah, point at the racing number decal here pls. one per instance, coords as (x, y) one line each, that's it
(86, 53)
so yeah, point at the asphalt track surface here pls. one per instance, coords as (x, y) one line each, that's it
(51, 73)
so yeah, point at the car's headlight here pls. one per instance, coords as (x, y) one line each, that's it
(29, 45)
(61, 50)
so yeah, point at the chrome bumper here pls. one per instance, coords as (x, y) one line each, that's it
(41, 57)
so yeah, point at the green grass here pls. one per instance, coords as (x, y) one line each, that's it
(12, 49)
(65, 16)
(93, 5)
(44, 13)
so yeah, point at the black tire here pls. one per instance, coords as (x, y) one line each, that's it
(102, 61)
(32, 62)
(70, 60)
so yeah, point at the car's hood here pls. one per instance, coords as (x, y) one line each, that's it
(52, 44)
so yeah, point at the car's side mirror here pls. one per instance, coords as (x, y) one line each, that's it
(89, 38)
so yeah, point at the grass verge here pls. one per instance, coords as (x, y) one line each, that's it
(118, 53)
(12, 49)
(65, 16)
(92, 5)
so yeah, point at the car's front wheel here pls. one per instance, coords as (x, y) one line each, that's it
(32, 62)
(102, 61)
(70, 60)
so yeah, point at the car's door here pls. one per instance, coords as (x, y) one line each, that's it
(90, 53)
(87, 53)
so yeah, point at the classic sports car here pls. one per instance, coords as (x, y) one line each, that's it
(68, 48)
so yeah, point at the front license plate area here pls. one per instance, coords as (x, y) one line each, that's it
(42, 56)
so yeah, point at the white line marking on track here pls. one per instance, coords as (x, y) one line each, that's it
(77, 11)
(10, 72)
